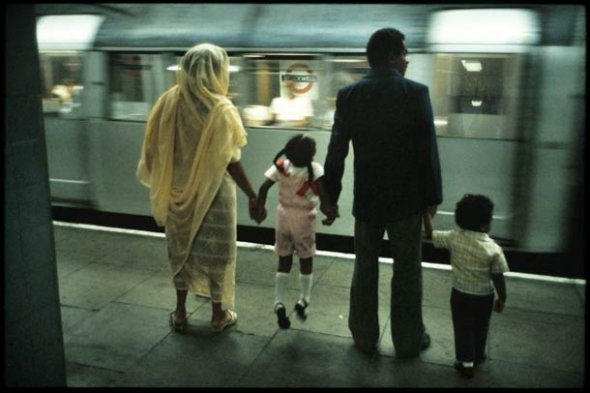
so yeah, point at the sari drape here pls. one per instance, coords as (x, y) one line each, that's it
(186, 151)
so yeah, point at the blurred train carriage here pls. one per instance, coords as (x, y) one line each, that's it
(507, 87)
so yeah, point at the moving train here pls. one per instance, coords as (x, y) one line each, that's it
(507, 84)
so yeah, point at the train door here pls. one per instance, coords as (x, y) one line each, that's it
(478, 60)
(475, 100)
(63, 42)
(131, 83)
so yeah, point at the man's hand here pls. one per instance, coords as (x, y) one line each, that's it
(331, 213)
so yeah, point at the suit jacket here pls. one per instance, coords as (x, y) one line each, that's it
(389, 120)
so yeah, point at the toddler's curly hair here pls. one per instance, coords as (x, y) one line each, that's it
(473, 212)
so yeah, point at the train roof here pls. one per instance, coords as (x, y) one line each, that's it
(273, 27)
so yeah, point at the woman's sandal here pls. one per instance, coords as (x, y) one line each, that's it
(179, 327)
(233, 318)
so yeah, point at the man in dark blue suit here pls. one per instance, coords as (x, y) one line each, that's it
(397, 178)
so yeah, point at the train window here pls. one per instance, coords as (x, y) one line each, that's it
(342, 71)
(136, 82)
(475, 95)
(61, 75)
(296, 92)
(281, 91)
(235, 80)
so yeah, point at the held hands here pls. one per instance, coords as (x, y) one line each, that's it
(498, 305)
(431, 210)
(257, 210)
(331, 213)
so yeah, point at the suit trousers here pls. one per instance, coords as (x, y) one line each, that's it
(407, 326)
(471, 318)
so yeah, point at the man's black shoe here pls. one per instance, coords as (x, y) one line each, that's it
(425, 341)
(465, 372)
(478, 362)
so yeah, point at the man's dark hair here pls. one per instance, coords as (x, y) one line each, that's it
(382, 43)
(473, 212)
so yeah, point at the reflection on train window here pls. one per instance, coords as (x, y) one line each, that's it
(295, 92)
(281, 92)
(136, 82)
(61, 75)
(475, 95)
(342, 71)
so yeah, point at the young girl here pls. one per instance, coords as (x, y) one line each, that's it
(477, 262)
(300, 185)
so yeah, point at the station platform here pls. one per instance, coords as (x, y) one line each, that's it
(116, 296)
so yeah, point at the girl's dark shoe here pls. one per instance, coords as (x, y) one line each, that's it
(301, 309)
(282, 318)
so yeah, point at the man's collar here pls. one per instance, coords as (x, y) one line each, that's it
(384, 70)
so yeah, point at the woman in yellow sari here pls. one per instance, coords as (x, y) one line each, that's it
(190, 160)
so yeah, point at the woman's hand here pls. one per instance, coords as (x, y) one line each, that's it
(257, 212)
